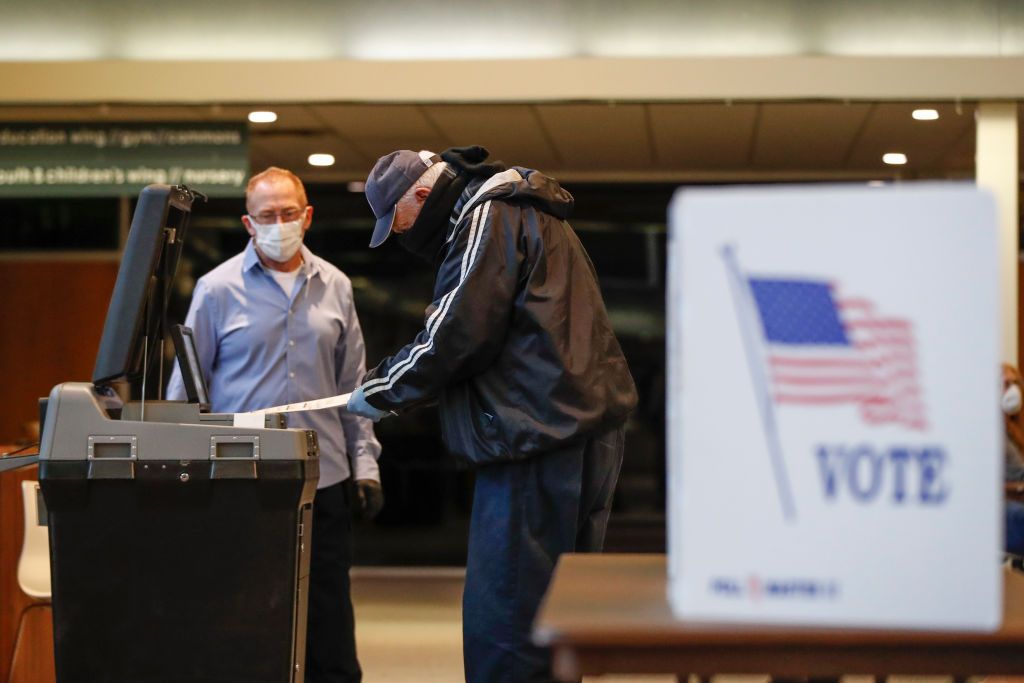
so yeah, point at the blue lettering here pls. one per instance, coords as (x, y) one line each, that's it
(827, 465)
(933, 490)
(864, 454)
(907, 474)
(899, 457)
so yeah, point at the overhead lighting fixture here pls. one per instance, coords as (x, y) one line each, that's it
(876, 183)
(894, 158)
(321, 160)
(356, 186)
(262, 116)
(925, 114)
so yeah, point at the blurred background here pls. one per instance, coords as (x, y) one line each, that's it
(622, 102)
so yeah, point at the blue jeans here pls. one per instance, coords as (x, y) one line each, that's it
(525, 514)
(1014, 527)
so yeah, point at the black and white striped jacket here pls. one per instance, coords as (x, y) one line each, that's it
(516, 347)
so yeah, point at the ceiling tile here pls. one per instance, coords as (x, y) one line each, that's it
(958, 160)
(375, 130)
(511, 133)
(891, 128)
(292, 151)
(698, 136)
(806, 135)
(598, 136)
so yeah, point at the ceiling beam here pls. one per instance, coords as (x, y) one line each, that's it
(537, 80)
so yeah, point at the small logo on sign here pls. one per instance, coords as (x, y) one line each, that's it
(759, 589)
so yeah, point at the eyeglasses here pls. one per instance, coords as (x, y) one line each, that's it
(286, 215)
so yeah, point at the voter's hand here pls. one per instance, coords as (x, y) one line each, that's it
(357, 405)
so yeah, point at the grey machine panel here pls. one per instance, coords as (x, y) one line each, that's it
(179, 549)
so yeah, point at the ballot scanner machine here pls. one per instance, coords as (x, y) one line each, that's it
(179, 543)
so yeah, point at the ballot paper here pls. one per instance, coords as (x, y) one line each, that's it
(257, 418)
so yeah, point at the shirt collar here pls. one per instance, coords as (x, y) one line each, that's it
(251, 258)
(310, 263)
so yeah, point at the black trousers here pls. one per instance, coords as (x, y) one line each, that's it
(525, 514)
(330, 628)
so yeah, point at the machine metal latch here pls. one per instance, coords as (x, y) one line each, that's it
(234, 457)
(112, 457)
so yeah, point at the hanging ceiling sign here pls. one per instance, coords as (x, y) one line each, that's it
(111, 159)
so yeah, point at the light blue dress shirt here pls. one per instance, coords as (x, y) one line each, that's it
(260, 347)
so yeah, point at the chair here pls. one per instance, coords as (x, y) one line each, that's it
(32, 660)
(34, 563)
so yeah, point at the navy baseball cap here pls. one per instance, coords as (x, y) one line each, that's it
(391, 177)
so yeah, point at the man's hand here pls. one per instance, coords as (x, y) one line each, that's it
(357, 405)
(369, 499)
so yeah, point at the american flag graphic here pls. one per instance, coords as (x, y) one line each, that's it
(823, 350)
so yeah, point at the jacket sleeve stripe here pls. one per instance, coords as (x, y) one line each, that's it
(468, 258)
(473, 242)
(432, 322)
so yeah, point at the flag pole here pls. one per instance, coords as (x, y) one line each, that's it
(745, 311)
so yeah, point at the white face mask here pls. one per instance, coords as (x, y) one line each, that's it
(1011, 400)
(278, 241)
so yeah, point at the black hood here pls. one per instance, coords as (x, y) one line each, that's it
(465, 166)
(528, 186)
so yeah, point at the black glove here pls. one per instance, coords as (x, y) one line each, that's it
(368, 499)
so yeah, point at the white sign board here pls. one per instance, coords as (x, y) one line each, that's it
(835, 450)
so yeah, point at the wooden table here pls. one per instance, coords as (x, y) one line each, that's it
(609, 614)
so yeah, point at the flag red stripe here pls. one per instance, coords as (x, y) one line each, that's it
(855, 303)
(819, 362)
(828, 381)
(820, 398)
(878, 323)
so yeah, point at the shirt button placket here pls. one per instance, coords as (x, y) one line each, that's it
(291, 343)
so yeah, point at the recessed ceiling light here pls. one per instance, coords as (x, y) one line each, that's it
(356, 186)
(894, 158)
(925, 114)
(876, 183)
(262, 116)
(321, 160)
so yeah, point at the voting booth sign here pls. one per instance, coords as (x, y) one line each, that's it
(835, 442)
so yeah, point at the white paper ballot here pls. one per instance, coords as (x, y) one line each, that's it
(257, 418)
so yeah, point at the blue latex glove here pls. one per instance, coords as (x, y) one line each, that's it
(357, 405)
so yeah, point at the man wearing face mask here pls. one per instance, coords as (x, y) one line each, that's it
(1012, 402)
(533, 389)
(276, 324)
